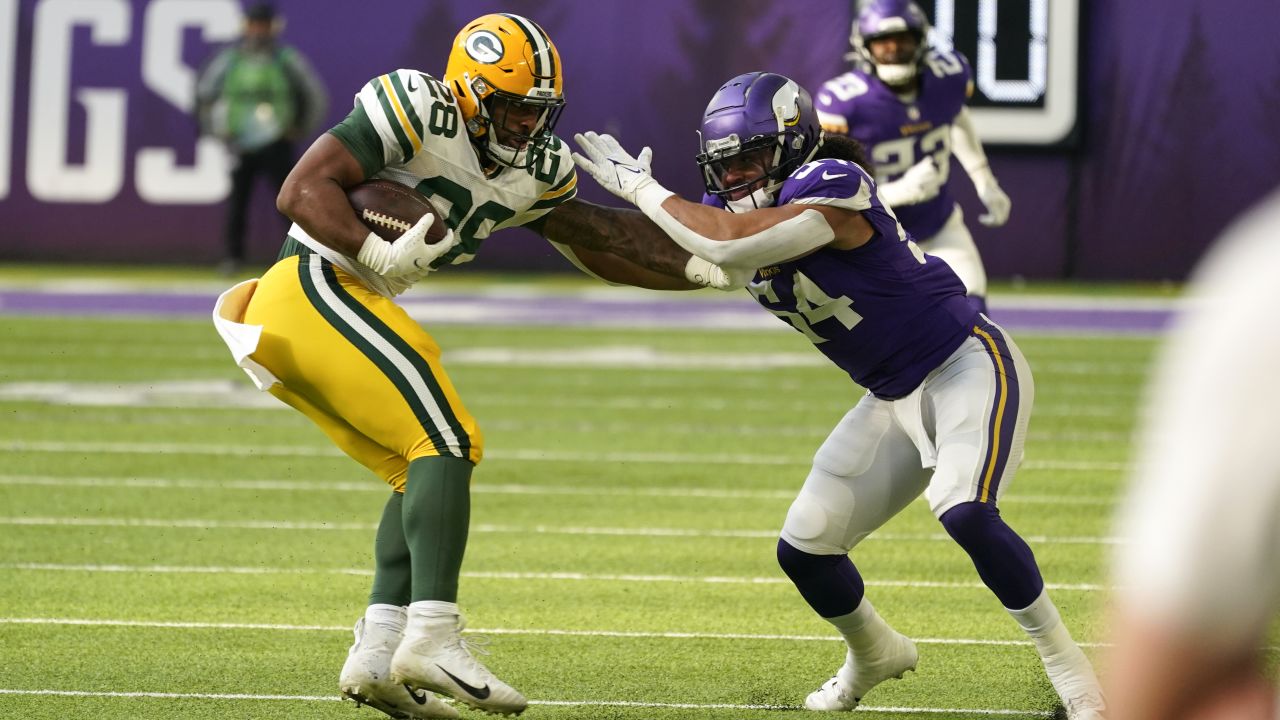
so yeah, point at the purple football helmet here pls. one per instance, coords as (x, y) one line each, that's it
(761, 116)
(878, 18)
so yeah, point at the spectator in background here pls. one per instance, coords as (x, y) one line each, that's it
(1198, 581)
(258, 96)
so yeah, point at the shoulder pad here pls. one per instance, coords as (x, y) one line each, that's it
(829, 177)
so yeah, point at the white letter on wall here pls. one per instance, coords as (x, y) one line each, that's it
(8, 53)
(158, 176)
(49, 176)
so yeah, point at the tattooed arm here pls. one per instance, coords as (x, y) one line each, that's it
(617, 245)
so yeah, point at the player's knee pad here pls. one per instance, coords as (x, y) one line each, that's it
(970, 523)
(811, 528)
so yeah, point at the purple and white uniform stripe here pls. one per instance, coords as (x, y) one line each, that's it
(885, 313)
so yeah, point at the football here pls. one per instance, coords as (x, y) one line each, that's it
(389, 209)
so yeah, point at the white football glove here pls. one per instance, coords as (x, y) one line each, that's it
(920, 182)
(704, 273)
(614, 168)
(409, 258)
(993, 198)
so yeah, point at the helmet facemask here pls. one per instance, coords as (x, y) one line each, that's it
(515, 129)
(880, 19)
(747, 175)
(758, 129)
(902, 72)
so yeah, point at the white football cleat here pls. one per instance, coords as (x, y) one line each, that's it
(1072, 676)
(893, 659)
(366, 678)
(1085, 707)
(434, 656)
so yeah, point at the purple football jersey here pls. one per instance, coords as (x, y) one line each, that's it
(899, 134)
(885, 312)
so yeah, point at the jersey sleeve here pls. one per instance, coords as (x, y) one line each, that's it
(952, 75)
(399, 106)
(556, 170)
(357, 133)
(831, 120)
(837, 183)
(835, 101)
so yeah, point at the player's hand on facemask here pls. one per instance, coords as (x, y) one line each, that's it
(614, 168)
(993, 198)
(409, 257)
(919, 183)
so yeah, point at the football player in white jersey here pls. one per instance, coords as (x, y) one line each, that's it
(321, 331)
(1197, 581)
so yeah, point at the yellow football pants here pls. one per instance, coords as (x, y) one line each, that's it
(359, 367)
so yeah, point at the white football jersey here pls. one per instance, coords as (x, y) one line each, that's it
(406, 126)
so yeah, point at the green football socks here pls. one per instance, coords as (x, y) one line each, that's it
(435, 518)
(392, 568)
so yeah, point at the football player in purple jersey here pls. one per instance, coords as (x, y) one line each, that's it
(905, 102)
(949, 395)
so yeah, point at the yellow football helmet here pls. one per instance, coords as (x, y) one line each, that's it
(506, 76)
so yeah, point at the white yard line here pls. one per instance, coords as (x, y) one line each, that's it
(139, 416)
(785, 394)
(557, 703)
(650, 532)
(373, 486)
(553, 576)
(541, 632)
(523, 455)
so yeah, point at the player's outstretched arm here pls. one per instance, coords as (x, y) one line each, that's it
(736, 242)
(622, 246)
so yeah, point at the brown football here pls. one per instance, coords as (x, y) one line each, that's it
(389, 209)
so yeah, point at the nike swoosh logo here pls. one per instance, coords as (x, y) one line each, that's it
(475, 692)
(410, 84)
(828, 176)
(419, 696)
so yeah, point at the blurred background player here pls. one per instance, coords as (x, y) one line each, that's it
(1198, 583)
(949, 396)
(258, 96)
(321, 332)
(905, 102)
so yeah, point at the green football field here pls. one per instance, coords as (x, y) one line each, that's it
(174, 544)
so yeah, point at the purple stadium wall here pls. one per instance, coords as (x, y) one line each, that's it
(1180, 99)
